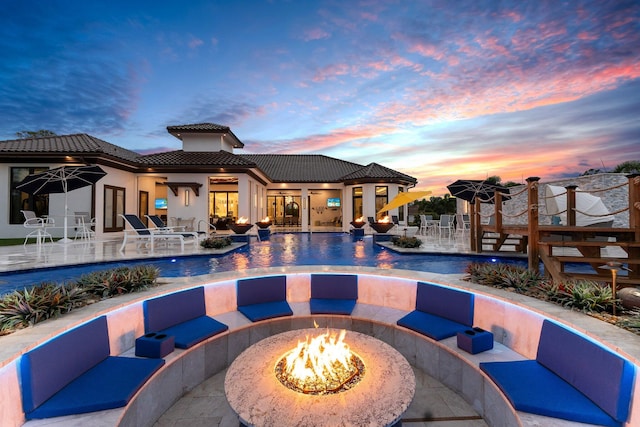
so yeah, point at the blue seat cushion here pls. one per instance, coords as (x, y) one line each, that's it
(191, 332)
(172, 309)
(331, 306)
(530, 387)
(433, 326)
(110, 384)
(51, 366)
(609, 382)
(267, 310)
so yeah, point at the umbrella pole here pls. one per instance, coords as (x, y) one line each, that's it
(65, 239)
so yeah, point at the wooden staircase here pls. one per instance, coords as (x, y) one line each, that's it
(590, 246)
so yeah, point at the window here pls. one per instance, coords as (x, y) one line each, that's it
(223, 204)
(113, 207)
(382, 196)
(357, 202)
(23, 201)
(401, 208)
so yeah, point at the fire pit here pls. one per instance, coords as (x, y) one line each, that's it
(377, 382)
(320, 365)
(382, 227)
(240, 228)
(263, 224)
(357, 224)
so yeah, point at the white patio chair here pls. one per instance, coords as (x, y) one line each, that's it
(38, 225)
(445, 226)
(84, 224)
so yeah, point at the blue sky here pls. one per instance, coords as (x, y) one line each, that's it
(436, 89)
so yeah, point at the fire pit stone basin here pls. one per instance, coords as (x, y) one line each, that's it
(382, 227)
(379, 399)
(240, 228)
(357, 224)
(262, 224)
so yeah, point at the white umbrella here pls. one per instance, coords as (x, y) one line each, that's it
(593, 206)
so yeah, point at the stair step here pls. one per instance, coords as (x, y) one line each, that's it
(602, 260)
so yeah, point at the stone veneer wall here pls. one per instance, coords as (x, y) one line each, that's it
(614, 200)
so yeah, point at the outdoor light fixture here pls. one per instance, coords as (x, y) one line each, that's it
(614, 266)
(186, 197)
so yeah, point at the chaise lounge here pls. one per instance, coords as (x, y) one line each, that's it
(140, 232)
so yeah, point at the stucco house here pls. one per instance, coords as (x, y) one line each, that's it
(206, 182)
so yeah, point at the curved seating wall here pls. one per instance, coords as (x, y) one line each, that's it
(382, 300)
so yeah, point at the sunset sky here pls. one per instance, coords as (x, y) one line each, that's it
(438, 89)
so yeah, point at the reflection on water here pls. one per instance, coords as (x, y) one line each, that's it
(279, 250)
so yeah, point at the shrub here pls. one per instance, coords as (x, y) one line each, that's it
(499, 275)
(29, 306)
(118, 281)
(26, 307)
(406, 242)
(216, 242)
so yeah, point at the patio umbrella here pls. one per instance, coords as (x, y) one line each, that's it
(470, 189)
(61, 180)
(593, 206)
(404, 198)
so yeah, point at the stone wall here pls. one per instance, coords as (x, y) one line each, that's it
(614, 199)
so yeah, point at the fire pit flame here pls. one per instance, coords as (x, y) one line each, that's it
(321, 365)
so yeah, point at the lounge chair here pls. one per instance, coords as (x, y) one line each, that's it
(159, 224)
(141, 232)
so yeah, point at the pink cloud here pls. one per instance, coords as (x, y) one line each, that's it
(315, 34)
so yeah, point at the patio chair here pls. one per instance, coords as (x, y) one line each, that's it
(150, 235)
(39, 226)
(84, 224)
(463, 226)
(445, 226)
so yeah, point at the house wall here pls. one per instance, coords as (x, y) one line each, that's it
(205, 143)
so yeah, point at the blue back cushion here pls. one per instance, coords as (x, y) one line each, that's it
(168, 310)
(604, 377)
(449, 303)
(261, 289)
(334, 286)
(49, 367)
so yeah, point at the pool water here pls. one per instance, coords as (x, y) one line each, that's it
(296, 249)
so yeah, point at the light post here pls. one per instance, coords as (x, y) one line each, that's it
(614, 266)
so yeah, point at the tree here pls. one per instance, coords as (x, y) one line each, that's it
(27, 134)
(630, 166)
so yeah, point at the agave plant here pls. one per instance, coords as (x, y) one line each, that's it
(216, 242)
(406, 242)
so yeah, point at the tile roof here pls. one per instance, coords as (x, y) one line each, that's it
(178, 130)
(302, 167)
(376, 171)
(186, 158)
(67, 144)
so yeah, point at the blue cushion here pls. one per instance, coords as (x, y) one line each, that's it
(452, 304)
(191, 332)
(110, 384)
(331, 306)
(169, 310)
(259, 290)
(49, 367)
(435, 327)
(338, 286)
(603, 376)
(530, 387)
(267, 310)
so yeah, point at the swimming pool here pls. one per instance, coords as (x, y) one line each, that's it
(295, 249)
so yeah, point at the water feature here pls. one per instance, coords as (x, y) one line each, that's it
(280, 250)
